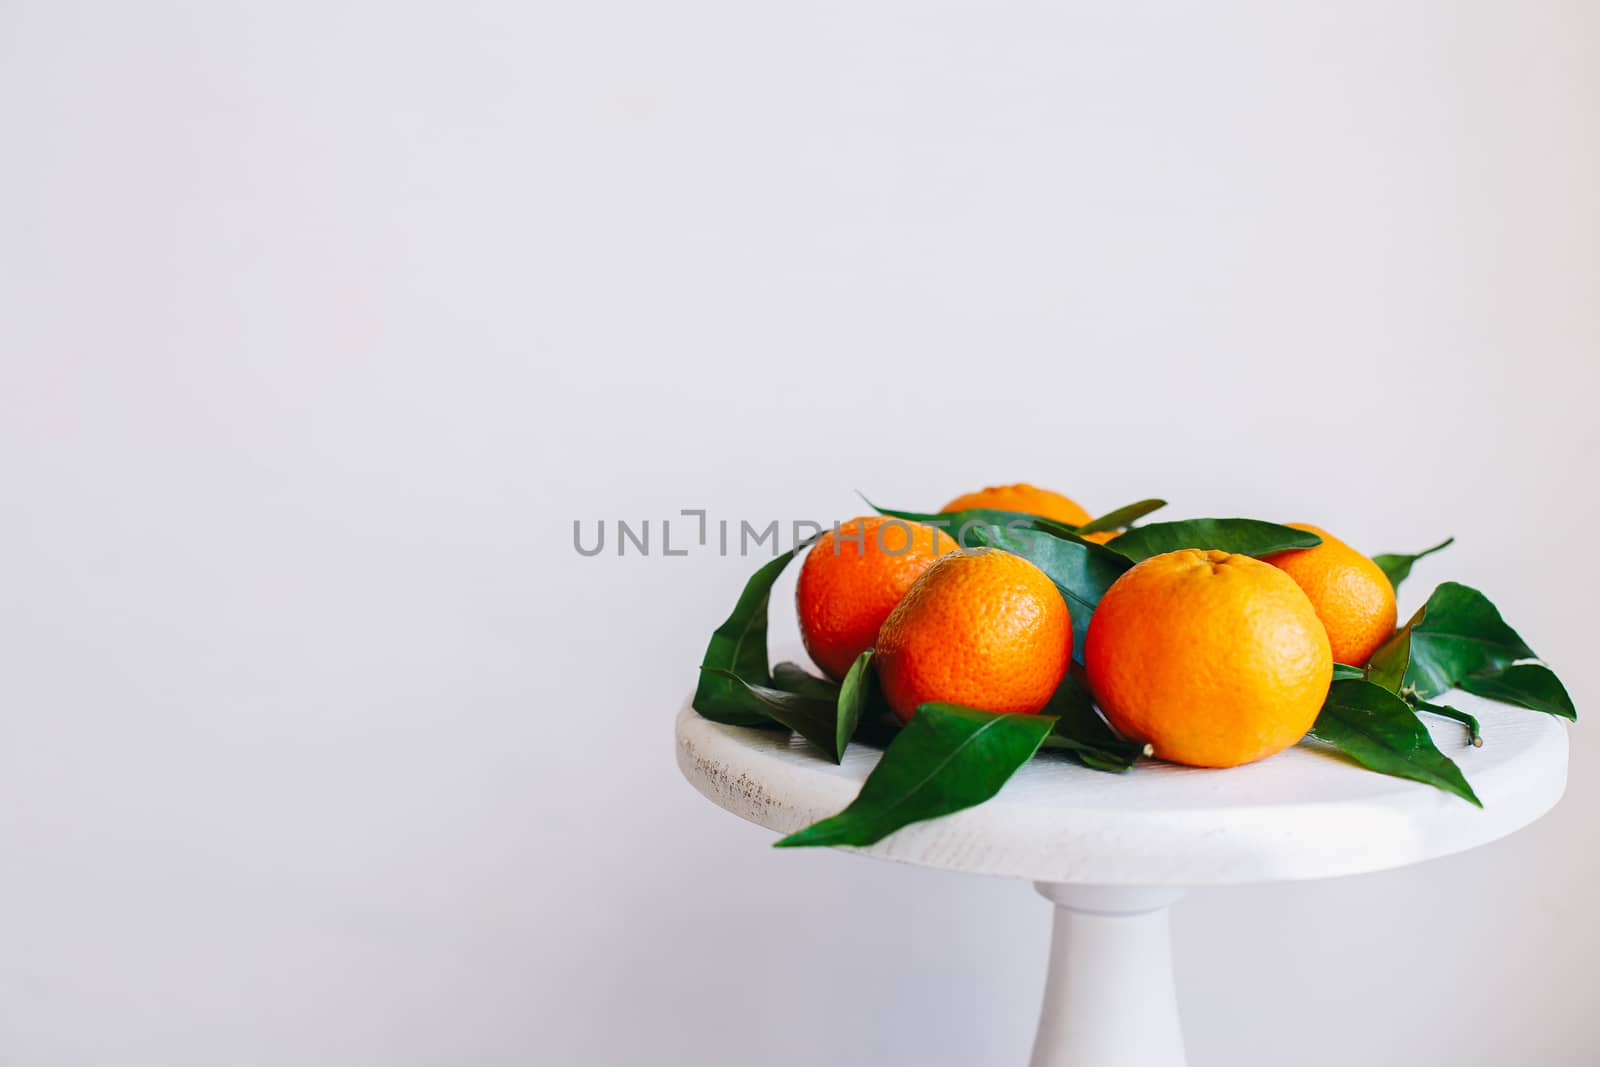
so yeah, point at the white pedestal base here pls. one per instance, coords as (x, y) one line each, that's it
(1076, 833)
(1109, 997)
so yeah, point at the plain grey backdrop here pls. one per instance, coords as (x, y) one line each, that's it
(320, 324)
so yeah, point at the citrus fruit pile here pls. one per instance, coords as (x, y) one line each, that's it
(963, 641)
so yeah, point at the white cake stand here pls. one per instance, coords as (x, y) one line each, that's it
(1114, 851)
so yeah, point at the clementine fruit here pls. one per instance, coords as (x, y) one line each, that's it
(1022, 497)
(853, 577)
(986, 629)
(1351, 594)
(1211, 658)
(1032, 500)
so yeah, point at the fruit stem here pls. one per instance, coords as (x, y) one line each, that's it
(1474, 733)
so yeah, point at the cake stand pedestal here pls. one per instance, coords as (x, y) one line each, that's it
(1112, 852)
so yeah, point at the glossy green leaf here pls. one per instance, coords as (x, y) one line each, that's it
(793, 678)
(961, 525)
(1080, 730)
(1249, 537)
(1344, 670)
(952, 521)
(945, 759)
(1121, 517)
(1398, 567)
(852, 700)
(1458, 640)
(1527, 685)
(1456, 634)
(1380, 731)
(812, 719)
(738, 650)
(1081, 570)
(1388, 665)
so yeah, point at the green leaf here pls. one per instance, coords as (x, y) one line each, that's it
(1388, 665)
(738, 650)
(1380, 731)
(1527, 685)
(814, 720)
(945, 759)
(1459, 640)
(1081, 570)
(955, 522)
(793, 678)
(952, 521)
(1398, 567)
(1121, 517)
(1249, 537)
(1344, 670)
(852, 699)
(1080, 730)
(1456, 634)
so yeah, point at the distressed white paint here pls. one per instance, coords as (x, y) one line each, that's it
(1114, 851)
(1305, 813)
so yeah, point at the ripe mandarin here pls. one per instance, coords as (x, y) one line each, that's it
(1351, 594)
(1213, 659)
(853, 577)
(1022, 497)
(985, 629)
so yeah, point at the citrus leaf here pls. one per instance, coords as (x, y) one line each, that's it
(1344, 670)
(1380, 731)
(1250, 537)
(1397, 568)
(1121, 517)
(955, 522)
(852, 699)
(946, 758)
(1081, 731)
(1387, 667)
(1527, 685)
(793, 678)
(952, 521)
(812, 719)
(1456, 634)
(1458, 640)
(738, 650)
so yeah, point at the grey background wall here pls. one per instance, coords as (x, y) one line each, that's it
(319, 744)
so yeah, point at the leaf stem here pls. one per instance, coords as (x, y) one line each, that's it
(1474, 732)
